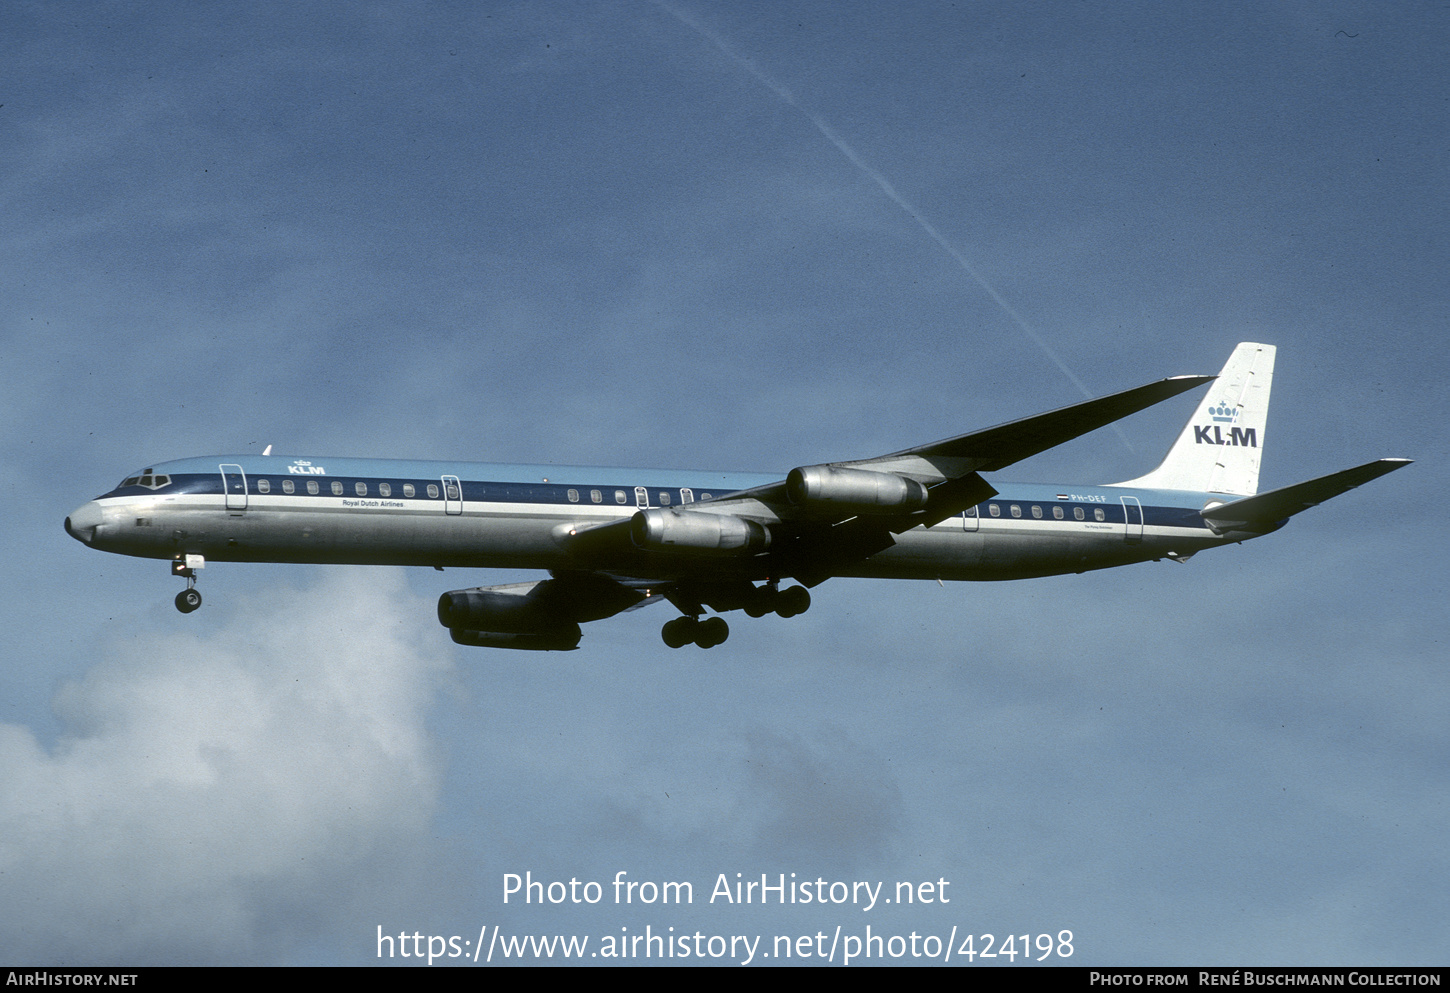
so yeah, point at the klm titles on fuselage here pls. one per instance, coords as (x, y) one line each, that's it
(301, 468)
(1237, 437)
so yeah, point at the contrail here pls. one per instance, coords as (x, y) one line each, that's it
(850, 153)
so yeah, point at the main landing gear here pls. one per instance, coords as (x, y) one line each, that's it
(190, 598)
(685, 630)
(713, 631)
(786, 603)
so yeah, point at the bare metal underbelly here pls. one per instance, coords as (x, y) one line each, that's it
(534, 541)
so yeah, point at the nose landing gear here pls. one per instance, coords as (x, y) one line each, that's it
(190, 598)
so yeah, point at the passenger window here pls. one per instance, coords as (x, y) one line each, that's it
(1057, 512)
(288, 486)
(1098, 514)
(408, 490)
(433, 491)
(595, 496)
(451, 488)
(705, 496)
(385, 489)
(312, 486)
(361, 489)
(573, 496)
(264, 486)
(994, 509)
(1077, 512)
(1016, 510)
(336, 488)
(970, 512)
(1037, 511)
(619, 496)
(664, 498)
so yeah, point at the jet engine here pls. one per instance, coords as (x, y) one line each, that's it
(855, 491)
(543, 616)
(489, 618)
(691, 531)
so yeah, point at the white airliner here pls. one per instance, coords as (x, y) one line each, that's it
(615, 539)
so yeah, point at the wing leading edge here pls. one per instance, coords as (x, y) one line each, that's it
(994, 448)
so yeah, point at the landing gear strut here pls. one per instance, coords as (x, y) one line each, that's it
(190, 598)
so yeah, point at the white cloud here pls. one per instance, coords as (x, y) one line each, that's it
(207, 778)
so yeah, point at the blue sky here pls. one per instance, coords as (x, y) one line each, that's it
(725, 236)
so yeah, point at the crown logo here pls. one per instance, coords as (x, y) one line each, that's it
(1224, 413)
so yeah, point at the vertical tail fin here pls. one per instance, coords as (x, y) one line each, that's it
(1220, 447)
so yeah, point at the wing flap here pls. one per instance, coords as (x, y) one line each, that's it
(950, 498)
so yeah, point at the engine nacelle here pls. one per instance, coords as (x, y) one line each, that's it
(856, 491)
(519, 618)
(491, 610)
(691, 531)
(564, 639)
(542, 616)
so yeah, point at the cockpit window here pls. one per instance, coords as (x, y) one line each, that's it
(149, 479)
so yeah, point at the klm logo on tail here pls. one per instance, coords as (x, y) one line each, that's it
(1237, 437)
(1225, 413)
(1233, 418)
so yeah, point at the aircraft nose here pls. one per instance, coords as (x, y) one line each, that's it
(83, 521)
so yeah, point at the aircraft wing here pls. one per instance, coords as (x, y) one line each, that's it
(810, 540)
(997, 447)
(1265, 511)
(988, 450)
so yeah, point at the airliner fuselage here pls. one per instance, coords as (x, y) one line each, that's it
(471, 515)
(615, 539)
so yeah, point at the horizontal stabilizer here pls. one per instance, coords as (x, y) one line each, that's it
(1265, 510)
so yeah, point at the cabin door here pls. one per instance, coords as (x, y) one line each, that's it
(234, 484)
(1132, 519)
(452, 495)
